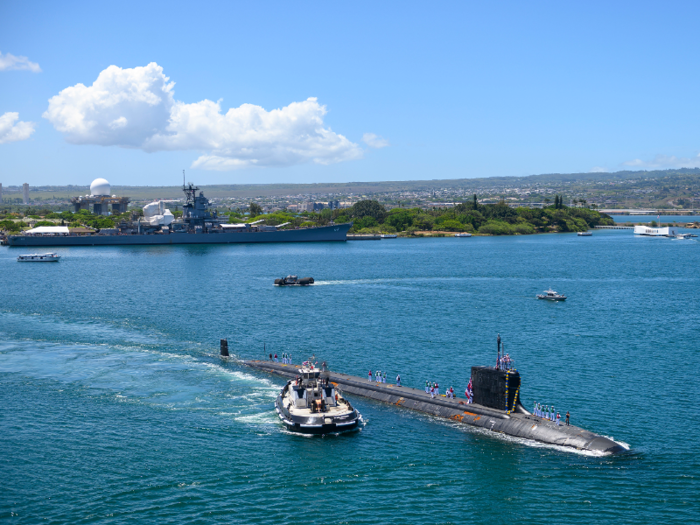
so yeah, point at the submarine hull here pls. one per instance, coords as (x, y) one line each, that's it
(519, 423)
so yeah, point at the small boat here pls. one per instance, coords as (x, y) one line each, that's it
(293, 280)
(682, 236)
(39, 257)
(463, 234)
(551, 295)
(311, 404)
(584, 234)
(388, 236)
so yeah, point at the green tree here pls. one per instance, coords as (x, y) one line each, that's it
(255, 209)
(368, 208)
(423, 222)
(496, 228)
(452, 225)
(365, 222)
(399, 219)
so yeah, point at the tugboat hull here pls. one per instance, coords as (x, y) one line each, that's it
(318, 424)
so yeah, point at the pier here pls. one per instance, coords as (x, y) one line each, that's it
(352, 237)
(614, 227)
(490, 413)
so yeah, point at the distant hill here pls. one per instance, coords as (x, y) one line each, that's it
(362, 188)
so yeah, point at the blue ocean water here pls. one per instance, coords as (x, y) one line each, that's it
(115, 407)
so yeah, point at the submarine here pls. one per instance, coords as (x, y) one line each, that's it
(496, 405)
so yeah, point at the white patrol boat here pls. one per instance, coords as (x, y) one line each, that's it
(551, 295)
(39, 257)
(311, 404)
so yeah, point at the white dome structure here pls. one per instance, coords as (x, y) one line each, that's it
(99, 187)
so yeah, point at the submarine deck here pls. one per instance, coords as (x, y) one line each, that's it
(521, 424)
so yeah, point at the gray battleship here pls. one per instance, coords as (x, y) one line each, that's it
(199, 225)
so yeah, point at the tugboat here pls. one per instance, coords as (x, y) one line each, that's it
(39, 257)
(311, 404)
(551, 295)
(293, 280)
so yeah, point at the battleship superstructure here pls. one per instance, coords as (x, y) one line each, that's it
(198, 225)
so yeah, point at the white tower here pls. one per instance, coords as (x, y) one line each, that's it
(25, 192)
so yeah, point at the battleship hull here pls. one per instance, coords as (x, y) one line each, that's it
(336, 232)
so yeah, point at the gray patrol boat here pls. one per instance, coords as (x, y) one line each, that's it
(199, 225)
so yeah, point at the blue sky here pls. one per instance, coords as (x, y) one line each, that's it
(333, 92)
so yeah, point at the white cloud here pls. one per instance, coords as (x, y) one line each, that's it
(136, 108)
(598, 169)
(11, 131)
(9, 61)
(123, 107)
(374, 141)
(662, 162)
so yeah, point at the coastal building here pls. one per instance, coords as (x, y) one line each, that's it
(100, 200)
(652, 232)
(25, 193)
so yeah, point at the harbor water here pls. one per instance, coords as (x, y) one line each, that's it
(116, 408)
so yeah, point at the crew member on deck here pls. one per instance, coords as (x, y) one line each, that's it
(276, 360)
(567, 418)
(398, 380)
(369, 375)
